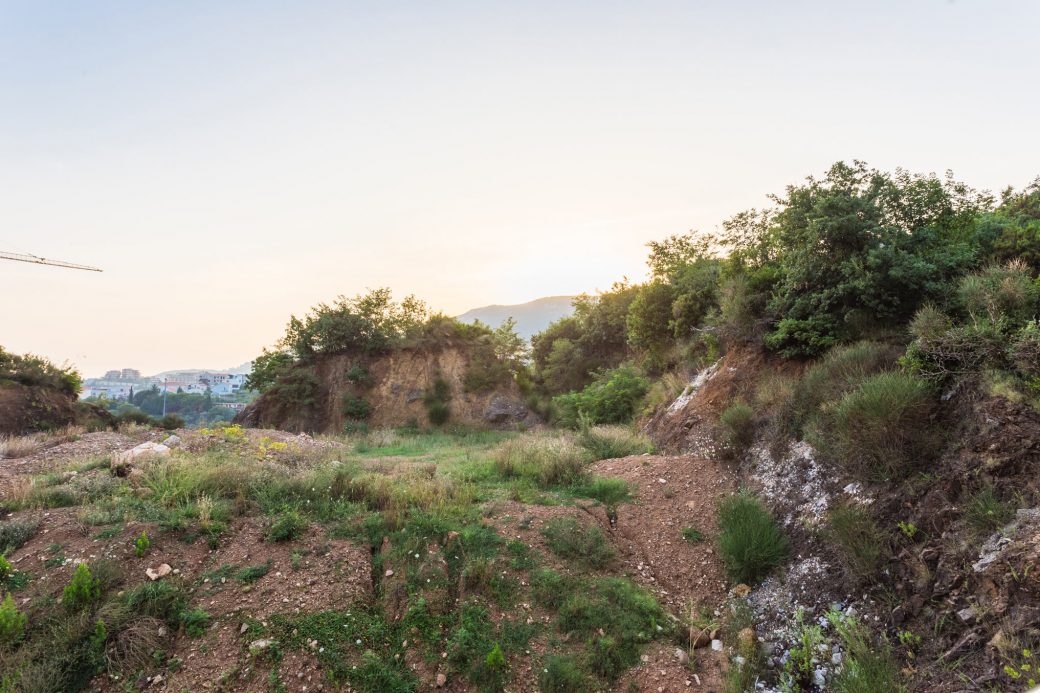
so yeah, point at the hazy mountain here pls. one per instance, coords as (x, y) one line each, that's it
(531, 317)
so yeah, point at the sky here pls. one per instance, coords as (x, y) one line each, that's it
(229, 163)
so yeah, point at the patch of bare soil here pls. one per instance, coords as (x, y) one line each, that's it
(61, 454)
(661, 671)
(327, 574)
(673, 493)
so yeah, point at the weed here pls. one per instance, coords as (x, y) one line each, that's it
(142, 544)
(986, 512)
(287, 527)
(161, 600)
(750, 541)
(585, 545)
(194, 622)
(548, 460)
(6, 569)
(520, 557)
(253, 573)
(869, 666)
(692, 535)
(909, 529)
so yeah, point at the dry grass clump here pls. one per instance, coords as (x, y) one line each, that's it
(547, 459)
(12, 447)
(396, 495)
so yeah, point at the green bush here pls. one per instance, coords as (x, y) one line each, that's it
(436, 399)
(288, 526)
(610, 491)
(162, 600)
(358, 375)
(82, 591)
(585, 545)
(863, 546)
(563, 674)
(354, 407)
(749, 539)
(738, 425)
(6, 569)
(550, 588)
(171, 422)
(613, 397)
(883, 429)
(194, 622)
(12, 622)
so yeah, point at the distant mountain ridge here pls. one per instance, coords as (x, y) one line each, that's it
(531, 317)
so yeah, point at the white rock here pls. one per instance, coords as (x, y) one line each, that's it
(173, 441)
(156, 573)
(716, 645)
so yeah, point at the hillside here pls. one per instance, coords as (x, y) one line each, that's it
(531, 317)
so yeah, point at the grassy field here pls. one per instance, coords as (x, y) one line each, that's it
(468, 580)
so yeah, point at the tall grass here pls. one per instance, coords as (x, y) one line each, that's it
(585, 545)
(863, 546)
(882, 429)
(546, 459)
(610, 442)
(749, 539)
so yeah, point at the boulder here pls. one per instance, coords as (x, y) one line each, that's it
(122, 462)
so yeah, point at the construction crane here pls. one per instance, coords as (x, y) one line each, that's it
(44, 261)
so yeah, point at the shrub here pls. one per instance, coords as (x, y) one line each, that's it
(171, 422)
(14, 533)
(551, 588)
(749, 539)
(135, 416)
(610, 442)
(1025, 351)
(359, 375)
(864, 547)
(585, 545)
(142, 544)
(738, 426)
(437, 399)
(288, 526)
(613, 397)
(83, 590)
(547, 460)
(194, 622)
(354, 407)
(6, 569)
(563, 674)
(161, 600)
(12, 622)
(253, 573)
(692, 535)
(881, 429)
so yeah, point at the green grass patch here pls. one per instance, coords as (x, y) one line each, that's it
(750, 541)
(582, 545)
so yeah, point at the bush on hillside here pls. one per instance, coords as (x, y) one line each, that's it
(614, 397)
(738, 426)
(882, 429)
(436, 399)
(36, 371)
(841, 370)
(585, 545)
(750, 541)
(354, 407)
(171, 422)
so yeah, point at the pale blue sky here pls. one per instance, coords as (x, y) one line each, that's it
(229, 163)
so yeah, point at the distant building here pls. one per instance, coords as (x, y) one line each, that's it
(130, 374)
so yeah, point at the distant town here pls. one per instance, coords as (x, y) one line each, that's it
(199, 396)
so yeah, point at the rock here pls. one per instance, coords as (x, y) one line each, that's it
(389, 573)
(258, 646)
(505, 410)
(716, 645)
(680, 654)
(156, 573)
(967, 615)
(173, 441)
(820, 678)
(243, 629)
(122, 462)
(441, 680)
(741, 591)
